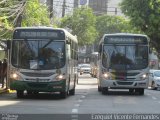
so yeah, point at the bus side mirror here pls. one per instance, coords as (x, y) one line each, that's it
(8, 44)
(68, 41)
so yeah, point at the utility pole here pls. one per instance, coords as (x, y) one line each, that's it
(18, 20)
(50, 8)
(116, 11)
(106, 6)
(63, 8)
(76, 3)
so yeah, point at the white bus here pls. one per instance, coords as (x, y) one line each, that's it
(43, 59)
(123, 62)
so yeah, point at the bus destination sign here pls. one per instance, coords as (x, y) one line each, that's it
(125, 40)
(38, 34)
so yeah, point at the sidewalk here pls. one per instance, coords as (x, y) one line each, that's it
(3, 90)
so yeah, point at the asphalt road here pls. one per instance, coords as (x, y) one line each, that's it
(87, 100)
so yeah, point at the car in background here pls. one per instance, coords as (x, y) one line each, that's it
(79, 67)
(85, 69)
(154, 79)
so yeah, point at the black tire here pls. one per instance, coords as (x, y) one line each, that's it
(35, 92)
(153, 86)
(63, 94)
(104, 90)
(131, 90)
(72, 91)
(99, 89)
(29, 92)
(20, 93)
(141, 91)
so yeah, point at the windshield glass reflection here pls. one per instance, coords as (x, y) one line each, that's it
(125, 57)
(38, 54)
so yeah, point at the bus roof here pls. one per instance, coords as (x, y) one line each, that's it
(68, 34)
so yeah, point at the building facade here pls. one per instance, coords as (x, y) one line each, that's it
(99, 6)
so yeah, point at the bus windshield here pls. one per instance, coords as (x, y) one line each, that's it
(125, 57)
(38, 54)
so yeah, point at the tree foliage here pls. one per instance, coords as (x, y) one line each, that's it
(144, 14)
(113, 24)
(9, 12)
(82, 23)
(35, 14)
(32, 13)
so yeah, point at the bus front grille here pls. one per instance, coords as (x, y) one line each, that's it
(124, 83)
(31, 74)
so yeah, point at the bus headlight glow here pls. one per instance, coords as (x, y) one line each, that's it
(15, 76)
(144, 76)
(60, 77)
(106, 76)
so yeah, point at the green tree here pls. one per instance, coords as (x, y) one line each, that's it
(82, 23)
(144, 14)
(113, 24)
(31, 11)
(35, 14)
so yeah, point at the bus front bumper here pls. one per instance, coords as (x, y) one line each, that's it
(54, 86)
(124, 84)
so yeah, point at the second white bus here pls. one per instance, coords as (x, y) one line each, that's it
(123, 62)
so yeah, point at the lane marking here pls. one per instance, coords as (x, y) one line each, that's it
(74, 110)
(154, 98)
(80, 100)
(83, 96)
(74, 117)
(77, 105)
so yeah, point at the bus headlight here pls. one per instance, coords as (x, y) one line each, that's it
(60, 77)
(144, 76)
(107, 75)
(15, 76)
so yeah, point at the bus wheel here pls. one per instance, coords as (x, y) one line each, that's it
(20, 93)
(35, 92)
(131, 90)
(29, 92)
(72, 91)
(63, 94)
(99, 89)
(104, 90)
(153, 86)
(141, 91)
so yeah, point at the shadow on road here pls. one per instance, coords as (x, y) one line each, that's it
(122, 93)
(41, 96)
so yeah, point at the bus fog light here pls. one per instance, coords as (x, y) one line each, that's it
(142, 84)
